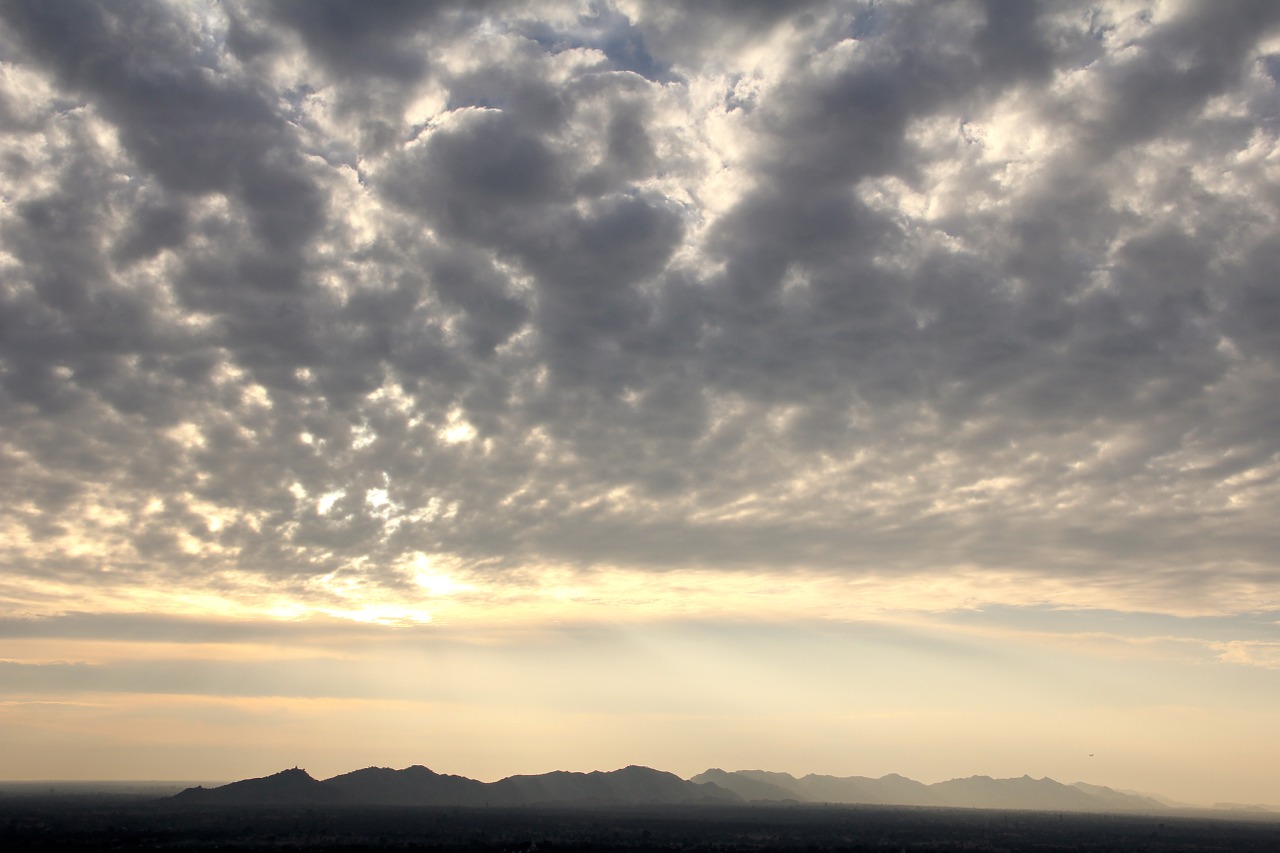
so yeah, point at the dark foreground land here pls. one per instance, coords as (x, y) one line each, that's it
(99, 824)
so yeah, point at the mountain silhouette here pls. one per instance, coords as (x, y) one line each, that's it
(420, 786)
(411, 786)
(631, 786)
(972, 792)
(749, 785)
(287, 788)
(1022, 793)
(1125, 800)
(887, 790)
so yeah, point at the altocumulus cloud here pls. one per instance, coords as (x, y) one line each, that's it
(389, 302)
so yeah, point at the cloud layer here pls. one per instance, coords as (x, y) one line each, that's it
(362, 302)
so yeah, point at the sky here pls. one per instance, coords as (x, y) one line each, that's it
(835, 387)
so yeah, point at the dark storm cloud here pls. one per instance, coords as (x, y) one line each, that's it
(368, 39)
(302, 289)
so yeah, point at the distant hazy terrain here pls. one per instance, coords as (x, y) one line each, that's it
(99, 788)
(973, 792)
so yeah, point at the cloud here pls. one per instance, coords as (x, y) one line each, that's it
(1250, 653)
(296, 293)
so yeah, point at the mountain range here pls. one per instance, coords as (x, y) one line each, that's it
(972, 792)
(419, 786)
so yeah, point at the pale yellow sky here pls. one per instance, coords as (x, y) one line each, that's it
(1077, 695)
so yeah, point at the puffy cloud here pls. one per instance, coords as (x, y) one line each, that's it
(299, 291)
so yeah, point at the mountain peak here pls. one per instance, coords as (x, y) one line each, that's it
(291, 787)
(291, 773)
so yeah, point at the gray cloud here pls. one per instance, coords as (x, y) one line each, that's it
(298, 288)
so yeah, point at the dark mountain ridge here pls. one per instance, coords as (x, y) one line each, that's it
(634, 785)
(408, 787)
(287, 788)
(419, 786)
